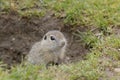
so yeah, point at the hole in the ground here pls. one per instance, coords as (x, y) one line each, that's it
(26, 34)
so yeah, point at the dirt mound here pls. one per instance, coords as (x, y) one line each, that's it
(18, 34)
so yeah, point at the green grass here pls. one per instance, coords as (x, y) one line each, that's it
(98, 13)
(80, 70)
(104, 54)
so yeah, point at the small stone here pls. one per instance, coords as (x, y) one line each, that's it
(13, 39)
(117, 70)
(118, 49)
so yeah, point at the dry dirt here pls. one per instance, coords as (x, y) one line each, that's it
(18, 34)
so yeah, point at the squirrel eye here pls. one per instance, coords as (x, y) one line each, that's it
(52, 38)
(45, 37)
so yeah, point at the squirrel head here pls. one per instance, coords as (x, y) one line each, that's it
(54, 40)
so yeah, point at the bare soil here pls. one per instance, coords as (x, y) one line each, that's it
(18, 34)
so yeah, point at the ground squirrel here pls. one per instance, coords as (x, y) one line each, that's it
(50, 50)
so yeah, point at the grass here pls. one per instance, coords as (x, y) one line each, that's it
(83, 70)
(103, 57)
(102, 13)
